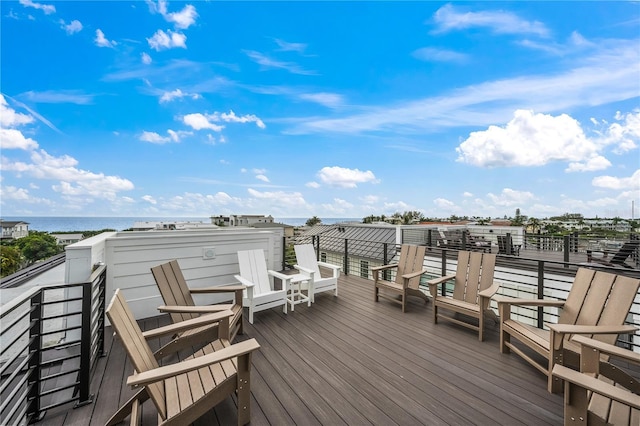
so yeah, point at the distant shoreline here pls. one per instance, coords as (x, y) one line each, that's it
(119, 223)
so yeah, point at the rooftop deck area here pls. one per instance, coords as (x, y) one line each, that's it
(349, 360)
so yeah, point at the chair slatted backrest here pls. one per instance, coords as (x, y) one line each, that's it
(306, 257)
(599, 298)
(174, 288)
(141, 356)
(625, 251)
(253, 267)
(411, 260)
(474, 273)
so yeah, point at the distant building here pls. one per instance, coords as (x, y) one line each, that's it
(66, 239)
(14, 229)
(241, 220)
(169, 226)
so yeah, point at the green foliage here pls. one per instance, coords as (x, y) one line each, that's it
(313, 221)
(37, 246)
(11, 259)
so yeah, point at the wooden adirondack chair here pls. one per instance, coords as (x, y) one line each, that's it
(260, 293)
(472, 291)
(307, 264)
(184, 391)
(409, 269)
(179, 304)
(618, 259)
(598, 304)
(594, 397)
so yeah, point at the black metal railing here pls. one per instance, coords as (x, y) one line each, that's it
(520, 276)
(51, 339)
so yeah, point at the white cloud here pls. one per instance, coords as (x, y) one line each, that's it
(592, 164)
(102, 41)
(269, 63)
(145, 58)
(72, 27)
(263, 178)
(467, 194)
(58, 97)
(283, 199)
(183, 19)
(149, 199)
(599, 76)
(46, 8)
(339, 206)
(314, 185)
(611, 182)
(72, 181)
(443, 203)
(290, 47)
(449, 18)
(177, 136)
(13, 193)
(174, 136)
(511, 198)
(330, 100)
(177, 94)
(199, 121)
(345, 178)
(439, 55)
(231, 117)
(153, 137)
(623, 135)
(14, 139)
(9, 117)
(530, 140)
(161, 40)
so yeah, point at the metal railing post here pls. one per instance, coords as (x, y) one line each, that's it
(35, 359)
(566, 249)
(84, 382)
(429, 238)
(540, 293)
(385, 261)
(508, 244)
(443, 270)
(346, 257)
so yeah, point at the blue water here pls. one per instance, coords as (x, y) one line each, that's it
(69, 224)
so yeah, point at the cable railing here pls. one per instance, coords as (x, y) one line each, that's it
(51, 339)
(521, 276)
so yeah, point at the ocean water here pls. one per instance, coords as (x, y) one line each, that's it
(70, 224)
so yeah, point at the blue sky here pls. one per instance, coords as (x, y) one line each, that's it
(334, 109)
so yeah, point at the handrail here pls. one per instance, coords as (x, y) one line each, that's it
(28, 273)
(25, 381)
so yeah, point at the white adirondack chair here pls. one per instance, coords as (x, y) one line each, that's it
(308, 265)
(260, 293)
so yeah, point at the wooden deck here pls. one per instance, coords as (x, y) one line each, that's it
(351, 361)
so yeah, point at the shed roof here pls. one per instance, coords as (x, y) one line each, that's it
(363, 240)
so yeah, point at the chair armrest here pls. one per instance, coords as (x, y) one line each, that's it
(305, 270)
(383, 267)
(616, 351)
(187, 324)
(283, 277)
(245, 282)
(414, 274)
(218, 289)
(489, 292)
(205, 309)
(157, 374)
(598, 386)
(527, 302)
(330, 266)
(592, 329)
(437, 281)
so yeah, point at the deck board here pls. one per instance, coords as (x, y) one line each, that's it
(349, 360)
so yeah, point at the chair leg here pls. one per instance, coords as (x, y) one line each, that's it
(250, 315)
(404, 302)
(481, 326)
(244, 389)
(375, 292)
